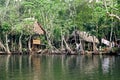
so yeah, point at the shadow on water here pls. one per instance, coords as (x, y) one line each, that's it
(59, 67)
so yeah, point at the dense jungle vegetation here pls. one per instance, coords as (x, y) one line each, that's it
(59, 18)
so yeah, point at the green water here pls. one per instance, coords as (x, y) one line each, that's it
(59, 67)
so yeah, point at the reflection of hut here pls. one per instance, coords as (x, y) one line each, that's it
(36, 41)
(85, 38)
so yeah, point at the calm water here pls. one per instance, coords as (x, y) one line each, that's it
(59, 67)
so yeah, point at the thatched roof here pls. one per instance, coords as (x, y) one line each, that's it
(86, 36)
(38, 28)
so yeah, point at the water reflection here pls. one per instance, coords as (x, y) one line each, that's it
(59, 67)
(107, 63)
(7, 62)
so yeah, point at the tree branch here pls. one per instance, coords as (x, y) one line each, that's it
(6, 6)
(115, 16)
(110, 14)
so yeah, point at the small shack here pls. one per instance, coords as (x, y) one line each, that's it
(35, 39)
(86, 40)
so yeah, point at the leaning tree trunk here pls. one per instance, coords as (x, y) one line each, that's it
(7, 46)
(2, 46)
(20, 43)
(67, 47)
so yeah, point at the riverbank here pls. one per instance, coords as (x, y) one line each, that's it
(45, 52)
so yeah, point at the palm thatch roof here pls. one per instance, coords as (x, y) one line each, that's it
(38, 28)
(86, 36)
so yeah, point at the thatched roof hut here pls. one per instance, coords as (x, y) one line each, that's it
(35, 39)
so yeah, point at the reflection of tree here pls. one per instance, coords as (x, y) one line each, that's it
(20, 63)
(63, 64)
(71, 62)
(107, 64)
(7, 62)
(7, 65)
(29, 62)
(89, 64)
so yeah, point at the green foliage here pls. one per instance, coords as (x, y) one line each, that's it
(57, 33)
(24, 27)
(60, 17)
(5, 27)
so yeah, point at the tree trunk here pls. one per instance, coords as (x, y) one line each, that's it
(62, 37)
(67, 47)
(12, 47)
(94, 46)
(29, 44)
(81, 47)
(15, 44)
(111, 32)
(7, 46)
(50, 45)
(20, 43)
(2, 46)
